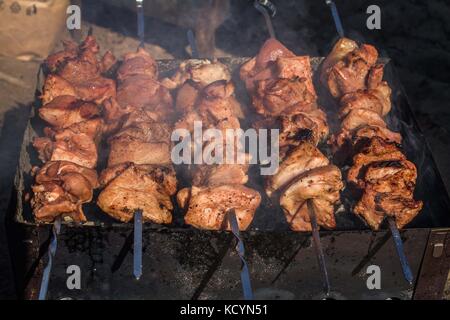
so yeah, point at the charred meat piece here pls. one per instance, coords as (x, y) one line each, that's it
(377, 100)
(323, 186)
(144, 187)
(387, 181)
(77, 72)
(303, 158)
(377, 150)
(60, 189)
(207, 207)
(349, 68)
(292, 128)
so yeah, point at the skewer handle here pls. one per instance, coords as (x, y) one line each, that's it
(318, 246)
(192, 44)
(264, 6)
(51, 254)
(137, 248)
(140, 22)
(400, 251)
(245, 273)
(336, 18)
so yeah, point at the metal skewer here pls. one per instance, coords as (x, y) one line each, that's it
(140, 22)
(51, 254)
(407, 273)
(245, 274)
(318, 246)
(137, 248)
(137, 245)
(336, 18)
(264, 6)
(392, 225)
(231, 214)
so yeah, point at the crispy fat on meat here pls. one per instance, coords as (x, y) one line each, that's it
(301, 159)
(323, 186)
(207, 207)
(376, 151)
(143, 187)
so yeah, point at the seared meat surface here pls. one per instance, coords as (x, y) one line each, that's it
(205, 97)
(68, 145)
(281, 87)
(388, 181)
(349, 68)
(278, 81)
(141, 143)
(60, 189)
(207, 207)
(76, 71)
(139, 91)
(323, 186)
(134, 187)
(301, 159)
(63, 111)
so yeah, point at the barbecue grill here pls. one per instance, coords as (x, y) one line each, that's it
(184, 263)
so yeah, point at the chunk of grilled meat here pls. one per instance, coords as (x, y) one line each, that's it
(262, 67)
(323, 186)
(283, 96)
(198, 72)
(137, 64)
(377, 150)
(278, 81)
(63, 111)
(207, 207)
(132, 187)
(139, 89)
(363, 123)
(349, 68)
(80, 57)
(377, 100)
(93, 128)
(68, 145)
(389, 191)
(141, 143)
(97, 89)
(60, 189)
(302, 158)
(387, 180)
(77, 72)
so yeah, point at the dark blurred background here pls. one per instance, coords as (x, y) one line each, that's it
(414, 34)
